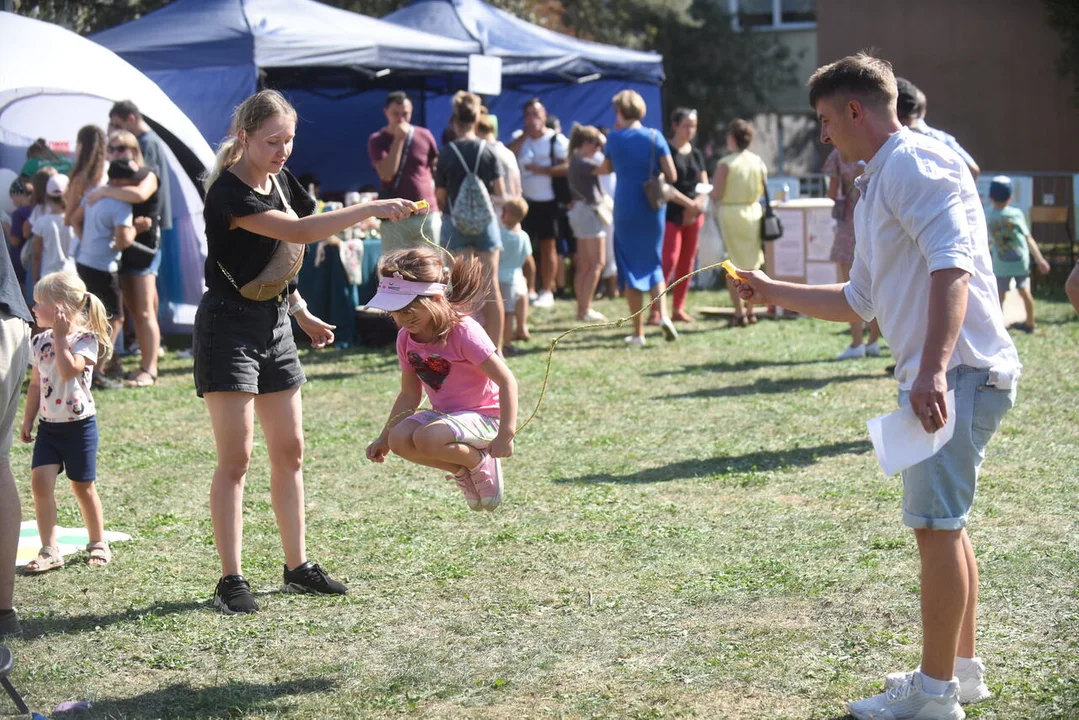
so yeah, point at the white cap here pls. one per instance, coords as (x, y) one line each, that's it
(57, 185)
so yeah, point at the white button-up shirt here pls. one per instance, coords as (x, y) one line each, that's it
(919, 212)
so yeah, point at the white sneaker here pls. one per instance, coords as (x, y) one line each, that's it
(670, 333)
(544, 300)
(635, 340)
(872, 349)
(592, 316)
(532, 297)
(972, 687)
(909, 702)
(851, 353)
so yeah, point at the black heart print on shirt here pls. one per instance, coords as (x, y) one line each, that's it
(432, 370)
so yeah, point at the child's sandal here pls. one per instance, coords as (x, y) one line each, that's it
(47, 559)
(100, 553)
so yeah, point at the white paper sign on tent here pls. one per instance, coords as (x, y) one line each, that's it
(485, 74)
(900, 441)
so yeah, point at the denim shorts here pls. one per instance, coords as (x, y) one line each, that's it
(71, 445)
(938, 493)
(453, 239)
(244, 346)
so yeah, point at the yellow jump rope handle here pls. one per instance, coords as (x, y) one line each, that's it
(422, 204)
(729, 267)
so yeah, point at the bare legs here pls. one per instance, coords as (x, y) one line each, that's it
(949, 599)
(433, 445)
(232, 417)
(140, 298)
(590, 262)
(493, 318)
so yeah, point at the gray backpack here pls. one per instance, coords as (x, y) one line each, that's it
(471, 211)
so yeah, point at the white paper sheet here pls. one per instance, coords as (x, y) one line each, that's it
(820, 234)
(790, 248)
(900, 441)
(820, 273)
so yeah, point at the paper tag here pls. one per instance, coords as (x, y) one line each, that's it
(900, 441)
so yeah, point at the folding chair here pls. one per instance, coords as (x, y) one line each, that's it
(6, 663)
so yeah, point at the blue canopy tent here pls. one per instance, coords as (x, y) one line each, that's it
(336, 67)
(208, 55)
(575, 79)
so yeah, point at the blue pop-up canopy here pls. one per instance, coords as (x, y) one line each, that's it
(207, 55)
(336, 67)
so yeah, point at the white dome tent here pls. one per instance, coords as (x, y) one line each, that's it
(52, 82)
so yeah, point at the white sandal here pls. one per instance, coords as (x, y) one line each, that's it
(47, 559)
(100, 553)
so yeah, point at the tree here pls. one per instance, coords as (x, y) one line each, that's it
(85, 17)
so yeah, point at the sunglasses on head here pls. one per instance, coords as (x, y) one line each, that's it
(119, 148)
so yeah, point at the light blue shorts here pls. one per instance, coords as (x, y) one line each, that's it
(938, 493)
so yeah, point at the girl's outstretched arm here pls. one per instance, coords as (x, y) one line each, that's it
(495, 368)
(407, 401)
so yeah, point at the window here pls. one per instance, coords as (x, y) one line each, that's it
(772, 14)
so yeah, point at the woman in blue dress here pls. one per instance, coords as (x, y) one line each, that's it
(637, 153)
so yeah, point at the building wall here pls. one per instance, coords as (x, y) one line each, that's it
(986, 67)
(803, 44)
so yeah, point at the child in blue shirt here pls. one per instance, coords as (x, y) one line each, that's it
(1011, 246)
(516, 248)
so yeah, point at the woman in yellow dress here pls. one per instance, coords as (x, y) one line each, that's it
(738, 185)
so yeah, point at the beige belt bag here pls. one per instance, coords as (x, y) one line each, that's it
(284, 264)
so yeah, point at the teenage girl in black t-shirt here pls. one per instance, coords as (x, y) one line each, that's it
(246, 362)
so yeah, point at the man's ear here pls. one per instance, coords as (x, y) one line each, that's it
(855, 110)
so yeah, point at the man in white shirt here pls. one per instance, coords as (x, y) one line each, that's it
(542, 154)
(922, 269)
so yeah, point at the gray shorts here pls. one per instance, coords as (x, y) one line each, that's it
(585, 222)
(513, 290)
(14, 359)
(938, 493)
(1004, 282)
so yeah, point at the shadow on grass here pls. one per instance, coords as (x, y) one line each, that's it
(767, 386)
(740, 366)
(234, 699)
(38, 627)
(761, 461)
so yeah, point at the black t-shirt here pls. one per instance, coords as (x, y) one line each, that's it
(244, 254)
(450, 173)
(689, 166)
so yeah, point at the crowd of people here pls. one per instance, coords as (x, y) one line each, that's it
(930, 276)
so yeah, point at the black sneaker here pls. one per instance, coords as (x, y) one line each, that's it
(9, 623)
(310, 578)
(233, 596)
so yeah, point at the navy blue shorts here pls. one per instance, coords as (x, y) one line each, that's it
(71, 445)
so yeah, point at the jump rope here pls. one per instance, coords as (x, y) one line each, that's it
(725, 265)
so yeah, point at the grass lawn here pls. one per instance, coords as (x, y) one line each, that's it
(696, 529)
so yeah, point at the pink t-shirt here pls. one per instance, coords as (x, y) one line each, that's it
(64, 400)
(450, 371)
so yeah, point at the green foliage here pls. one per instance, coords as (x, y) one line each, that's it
(1064, 17)
(87, 17)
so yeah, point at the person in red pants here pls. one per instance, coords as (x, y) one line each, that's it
(684, 220)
